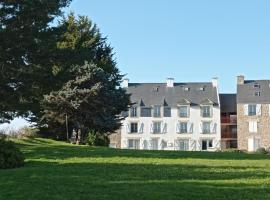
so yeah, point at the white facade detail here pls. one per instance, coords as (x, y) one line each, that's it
(170, 136)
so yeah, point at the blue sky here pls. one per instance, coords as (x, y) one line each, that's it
(189, 40)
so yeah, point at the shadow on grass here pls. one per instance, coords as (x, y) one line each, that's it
(134, 181)
(70, 151)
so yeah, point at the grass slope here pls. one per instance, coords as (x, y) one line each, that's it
(56, 170)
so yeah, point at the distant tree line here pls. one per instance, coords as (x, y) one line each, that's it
(60, 75)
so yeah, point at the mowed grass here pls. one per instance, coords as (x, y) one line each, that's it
(56, 170)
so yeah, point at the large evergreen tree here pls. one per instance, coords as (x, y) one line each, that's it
(91, 101)
(27, 46)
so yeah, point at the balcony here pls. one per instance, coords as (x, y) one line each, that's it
(229, 119)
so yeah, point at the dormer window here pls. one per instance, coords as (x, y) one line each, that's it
(257, 94)
(257, 85)
(157, 111)
(186, 88)
(133, 112)
(201, 89)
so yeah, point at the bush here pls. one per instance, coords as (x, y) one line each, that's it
(10, 155)
(232, 150)
(261, 151)
(97, 139)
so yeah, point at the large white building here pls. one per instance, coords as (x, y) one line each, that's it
(172, 116)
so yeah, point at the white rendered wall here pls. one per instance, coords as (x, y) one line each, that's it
(171, 135)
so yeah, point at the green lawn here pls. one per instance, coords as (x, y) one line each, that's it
(56, 170)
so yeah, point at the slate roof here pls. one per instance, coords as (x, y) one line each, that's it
(246, 92)
(149, 94)
(228, 103)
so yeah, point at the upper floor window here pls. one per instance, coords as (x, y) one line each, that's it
(206, 127)
(183, 127)
(133, 112)
(156, 127)
(252, 110)
(206, 111)
(133, 127)
(145, 112)
(156, 111)
(167, 111)
(183, 111)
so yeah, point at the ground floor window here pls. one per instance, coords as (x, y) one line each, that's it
(154, 143)
(206, 144)
(134, 144)
(182, 144)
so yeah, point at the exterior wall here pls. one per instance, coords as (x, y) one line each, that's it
(171, 135)
(263, 127)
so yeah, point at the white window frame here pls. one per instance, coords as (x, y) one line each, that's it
(210, 111)
(187, 113)
(253, 126)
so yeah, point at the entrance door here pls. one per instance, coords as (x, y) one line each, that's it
(204, 144)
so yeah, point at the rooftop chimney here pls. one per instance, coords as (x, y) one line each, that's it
(125, 83)
(240, 80)
(215, 82)
(170, 82)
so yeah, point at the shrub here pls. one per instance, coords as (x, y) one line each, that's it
(261, 151)
(10, 155)
(97, 139)
(28, 132)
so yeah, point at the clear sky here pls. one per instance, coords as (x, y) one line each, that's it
(189, 40)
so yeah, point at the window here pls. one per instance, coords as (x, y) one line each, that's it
(206, 111)
(183, 111)
(183, 144)
(133, 112)
(154, 143)
(207, 144)
(201, 89)
(133, 127)
(253, 126)
(167, 111)
(157, 127)
(145, 112)
(251, 110)
(183, 127)
(257, 94)
(134, 144)
(156, 111)
(256, 85)
(206, 127)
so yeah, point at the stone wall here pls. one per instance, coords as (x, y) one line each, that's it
(263, 128)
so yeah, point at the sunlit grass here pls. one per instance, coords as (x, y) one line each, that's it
(57, 170)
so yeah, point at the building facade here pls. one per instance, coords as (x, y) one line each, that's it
(172, 116)
(253, 114)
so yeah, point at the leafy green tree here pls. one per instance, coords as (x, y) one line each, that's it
(28, 43)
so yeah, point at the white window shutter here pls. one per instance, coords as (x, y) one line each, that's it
(258, 109)
(164, 128)
(190, 127)
(200, 128)
(128, 128)
(213, 127)
(250, 127)
(177, 127)
(255, 127)
(141, 128)
(152, 128)
(246, 109)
